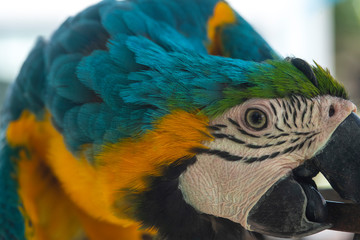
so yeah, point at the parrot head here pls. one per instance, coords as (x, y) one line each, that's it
(294, 121)
(258, 170)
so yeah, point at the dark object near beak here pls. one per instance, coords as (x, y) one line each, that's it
(293, 207)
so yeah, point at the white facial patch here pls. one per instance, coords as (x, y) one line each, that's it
(230, 189)
(241, 164)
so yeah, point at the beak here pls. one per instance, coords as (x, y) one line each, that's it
(293, 207)
(339, 161)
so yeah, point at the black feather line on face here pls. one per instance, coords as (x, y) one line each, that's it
(286, 115)
(298, 102)
(246, 133)
(311, 111)
(294, 140)
(222, 154)
(302, 133)
(234, 123)
(284, 103)
(273, 108)
(303, 117)
(213, 128)
(287, 124)
(229, 137)
(238, 127)
(294, 118)
(277, 127)
(278, 102)
(261, 158)
(220, 126)
(289, 150)
(305, 110)
(292, 101)
(311, 141)
(277, 136)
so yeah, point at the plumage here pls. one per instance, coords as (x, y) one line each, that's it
(107, 116)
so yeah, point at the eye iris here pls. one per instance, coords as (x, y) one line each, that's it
(256, 119)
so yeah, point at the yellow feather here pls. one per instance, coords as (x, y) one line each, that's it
(223, 14)
(61, 192)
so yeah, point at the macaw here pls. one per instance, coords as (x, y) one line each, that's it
(172, 120)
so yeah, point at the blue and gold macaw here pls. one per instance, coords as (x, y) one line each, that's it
(172, 120)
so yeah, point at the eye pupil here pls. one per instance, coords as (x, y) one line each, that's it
(256, 119)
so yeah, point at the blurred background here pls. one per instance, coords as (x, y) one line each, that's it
(327, 31)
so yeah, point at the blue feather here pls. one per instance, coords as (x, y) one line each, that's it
(11, 220)
(112, 17)
(63, 80)
(122, 56)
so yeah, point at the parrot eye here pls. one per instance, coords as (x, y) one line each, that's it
(256, 119)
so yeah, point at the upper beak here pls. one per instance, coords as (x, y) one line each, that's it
(339, 161)
(294, 207)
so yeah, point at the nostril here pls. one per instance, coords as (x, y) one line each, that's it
(331, 111)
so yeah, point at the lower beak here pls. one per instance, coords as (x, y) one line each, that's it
(293, 207)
